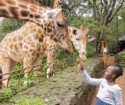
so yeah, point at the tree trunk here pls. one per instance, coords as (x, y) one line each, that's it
(108, 13)
(99, 42)
(94, 9)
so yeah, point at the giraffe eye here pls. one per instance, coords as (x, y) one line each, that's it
(77, 38)
(74, 31)
(60, 24)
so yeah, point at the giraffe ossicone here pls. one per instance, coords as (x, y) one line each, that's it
(51, 13)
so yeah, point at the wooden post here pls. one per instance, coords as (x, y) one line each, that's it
(107, 59)
(104, 54)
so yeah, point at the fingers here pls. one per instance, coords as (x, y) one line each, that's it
(79, 61)
(80, 64)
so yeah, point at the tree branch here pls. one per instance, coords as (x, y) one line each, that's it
(116, 11)
(110, 11)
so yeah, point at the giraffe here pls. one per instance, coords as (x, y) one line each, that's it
(47, 18)
(79, 39)
(29, 43)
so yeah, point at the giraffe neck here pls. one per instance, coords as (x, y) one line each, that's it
(21, 9)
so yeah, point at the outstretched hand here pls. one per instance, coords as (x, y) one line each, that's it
(80, 65)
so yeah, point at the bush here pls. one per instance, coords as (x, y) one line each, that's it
(122, 57)
(112, 47)
(9, 25)
(90, 50)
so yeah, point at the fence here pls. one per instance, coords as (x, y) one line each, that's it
(18, 73)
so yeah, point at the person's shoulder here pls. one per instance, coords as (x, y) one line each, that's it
(116, 87)
(103, 80)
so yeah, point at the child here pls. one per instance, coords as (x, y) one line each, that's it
(109, 92)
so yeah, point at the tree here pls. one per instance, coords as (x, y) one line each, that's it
(104, 11)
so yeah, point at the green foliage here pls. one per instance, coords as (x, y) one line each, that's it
(90, 50)
(64, 59)
(62, 54)
(29, 101)
(112, 46)
(87, 22)
(17, 86)
(112, 36)
(122, 57)
(8, 25)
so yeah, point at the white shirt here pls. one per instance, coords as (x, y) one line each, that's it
(108, 94)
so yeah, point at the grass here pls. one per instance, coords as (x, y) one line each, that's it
(29, 101)
(17, 85)
(45, 93)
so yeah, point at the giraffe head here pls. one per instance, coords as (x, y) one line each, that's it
(79, 39)
(48, 18)
(57, 5)
(57, 28)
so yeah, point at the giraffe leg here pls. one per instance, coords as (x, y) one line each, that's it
(37, 63)
(7, 65)
(0, 78)
(51, 63)
(12, 65)
(27, 65)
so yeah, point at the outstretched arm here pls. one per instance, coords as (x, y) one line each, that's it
(90, 80)
(86, 76)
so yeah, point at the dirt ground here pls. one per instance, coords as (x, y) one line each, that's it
(121, 82)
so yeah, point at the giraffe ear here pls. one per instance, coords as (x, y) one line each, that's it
(51, 13)
(86, 31)
(91, 38)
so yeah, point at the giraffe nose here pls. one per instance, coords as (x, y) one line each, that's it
(83, 53)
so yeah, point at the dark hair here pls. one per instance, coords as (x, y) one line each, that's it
(117, 69)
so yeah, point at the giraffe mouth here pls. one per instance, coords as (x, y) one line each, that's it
(83, 56)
